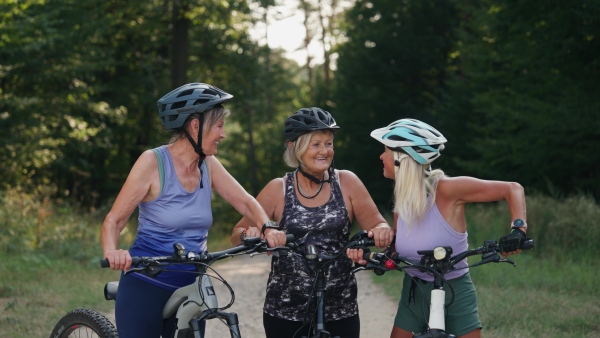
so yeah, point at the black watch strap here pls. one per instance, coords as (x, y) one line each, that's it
(270, 225)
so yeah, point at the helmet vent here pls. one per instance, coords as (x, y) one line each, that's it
(185, 93)
(210, 92)
(397, 138)
(178, 104)
(201, 101)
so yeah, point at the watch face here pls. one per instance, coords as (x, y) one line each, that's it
(518, 223)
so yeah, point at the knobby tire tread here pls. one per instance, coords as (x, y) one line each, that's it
(89, 318)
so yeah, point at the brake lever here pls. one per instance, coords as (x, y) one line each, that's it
(506, 260)
(149, 269)
(360, 268)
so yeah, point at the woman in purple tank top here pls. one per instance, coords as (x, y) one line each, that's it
(429, 211)
(316, 204)
(172, 187)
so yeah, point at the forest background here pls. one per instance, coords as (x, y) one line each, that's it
(513, 85)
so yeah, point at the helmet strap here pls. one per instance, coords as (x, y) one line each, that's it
(198, 146)
(314, 179)
(428, 171)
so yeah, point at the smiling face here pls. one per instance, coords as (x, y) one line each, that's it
(318, 156)
(389, 169)
(211, 139)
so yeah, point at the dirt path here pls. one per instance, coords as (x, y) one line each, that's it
(248, 277)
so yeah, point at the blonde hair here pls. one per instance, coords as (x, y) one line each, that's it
(414, 184)
(211, 117)
(295, 149)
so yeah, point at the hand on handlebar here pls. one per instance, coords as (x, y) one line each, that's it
(119, 259)
(511, 243)
(383, 235)
(274, 238)
(356, 255)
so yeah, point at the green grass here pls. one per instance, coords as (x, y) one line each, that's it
(36, 291)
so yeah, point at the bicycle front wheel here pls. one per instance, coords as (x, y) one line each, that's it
(84, 323)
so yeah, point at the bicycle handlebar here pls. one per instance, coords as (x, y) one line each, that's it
(180, 256)
(438, 260)
(359, 240)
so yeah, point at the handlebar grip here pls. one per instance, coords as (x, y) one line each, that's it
(104, 263)
(527, 245)
(289, 238)
(368, 242)
(368, 255)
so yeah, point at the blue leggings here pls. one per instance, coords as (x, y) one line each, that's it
(138, 311)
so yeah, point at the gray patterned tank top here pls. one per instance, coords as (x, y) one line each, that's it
(292, 279)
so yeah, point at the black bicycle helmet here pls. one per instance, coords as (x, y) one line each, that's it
(175, 107)
(307, 120)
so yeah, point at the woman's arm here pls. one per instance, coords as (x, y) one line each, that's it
(271, 199)
(142, 184)
(462, 190)
(228, 188)
(364, 209)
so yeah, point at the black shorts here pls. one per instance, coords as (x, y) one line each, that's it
(283, 328)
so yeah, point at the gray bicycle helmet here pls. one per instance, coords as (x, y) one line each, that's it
(175, 107)
(419, 140)
(307, 120)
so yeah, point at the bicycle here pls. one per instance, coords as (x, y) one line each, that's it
(359, 240)
(192, 304)
(438, 262)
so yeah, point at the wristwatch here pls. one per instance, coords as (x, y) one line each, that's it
(518, 224)
(270, 225)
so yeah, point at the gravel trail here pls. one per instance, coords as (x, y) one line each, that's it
(248, 277)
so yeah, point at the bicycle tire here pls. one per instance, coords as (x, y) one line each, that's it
(84, 323)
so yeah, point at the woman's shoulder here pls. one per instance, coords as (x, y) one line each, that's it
(346, 176)
(147, 158)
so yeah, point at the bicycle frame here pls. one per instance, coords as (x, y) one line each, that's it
(360, 239)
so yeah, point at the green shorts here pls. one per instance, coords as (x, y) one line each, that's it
(461, 316)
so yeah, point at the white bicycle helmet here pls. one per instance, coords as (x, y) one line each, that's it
(419, 140)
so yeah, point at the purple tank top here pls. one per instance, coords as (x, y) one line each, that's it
(431, 231)
(174, 216)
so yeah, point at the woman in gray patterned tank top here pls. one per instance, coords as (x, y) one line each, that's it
(317, 204)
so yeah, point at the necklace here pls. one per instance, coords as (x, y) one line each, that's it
(303, 193)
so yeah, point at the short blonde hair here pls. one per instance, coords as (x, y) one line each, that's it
(295, 149)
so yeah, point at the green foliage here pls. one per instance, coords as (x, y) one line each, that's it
(511, 84)
(563, 229)
(79, 83)
(523, 99)
(391, 67)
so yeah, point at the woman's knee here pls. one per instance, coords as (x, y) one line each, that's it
(400, 333)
